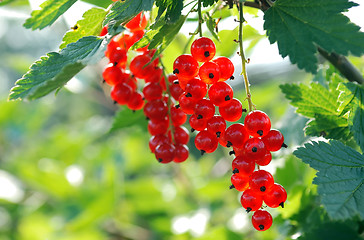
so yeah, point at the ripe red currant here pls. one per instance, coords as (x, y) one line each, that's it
(197, 124)
(187, 104)
(180, 135)
(118, 56)
(185, 66)
(273, 140)
(141, 67)
(257, 123)
(203, 49)
(232, 111)
(243, 166)
(156, 141)
(216, 125)
(239, 182)
(261, 181)
(204, 109)
(139, 22)
(112, 74)
(164, 153)
(251, 200)
(181, 153)
(206, 142)
(220, 94)
(196, 89)
(178, 116)
(254, 149)
(265, 160)
(262, 220)
(155, 109)
(175, 90)
(156, 127)
(276, 196)
(136, 101)
(121, 93)
(236, 135)
(152, 91)
(209, 72)
(226, 68)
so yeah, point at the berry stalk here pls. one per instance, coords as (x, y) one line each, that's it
(199, 18)
(243, 59)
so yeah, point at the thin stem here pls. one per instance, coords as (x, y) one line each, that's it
(199, 18)
(243, 59)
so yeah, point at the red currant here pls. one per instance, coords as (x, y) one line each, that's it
(112, 74)
(203, 49)
(156, 127)
(254, 149)
(257, 123)
(164, 153)
(136, 101)
(152, 91)
(137, 23)
(220, 94)
(181, 153)
(196, 89)
(226, 68)
(175, 90)
(197, 124)
(187, 104)
(178, 116)
(216, 125)
(155, 109)
(209, 72)
(276, 196)
(104, 31)
(180, 135)
(206, 142)
(251, 200)
(156, 141)
(273, 140)
(261, 181)
(239, 182)
(121, 93)
(141, 67)
(232, 111)
(185, 66)
(262, 220)
(118, 56)
(265, 160)
(243, 166)
(236, 135)
(204, 109)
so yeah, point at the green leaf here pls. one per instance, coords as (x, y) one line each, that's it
(56, 69)
(103, 4)
(91, 24)
(126, 118)
(320, 104)
(340, 177)
(173, 9)
(299, 26)
(125, 10)
(49, 13)
(332, 231)
(211, 25)
(227, 47)
(207, 3)
(351, 98)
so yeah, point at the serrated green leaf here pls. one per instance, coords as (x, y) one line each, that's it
(351, 98)
(49, 13)
(173, 9)
(298, 26)
(55, 69)
(125, 118)
(320, 104)
(211, 26)
(103, 4)
(160, 35)
(340, 177)
(125, 10)
(91, 24)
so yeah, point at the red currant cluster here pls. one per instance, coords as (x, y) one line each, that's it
(169, 138)
(257, 186)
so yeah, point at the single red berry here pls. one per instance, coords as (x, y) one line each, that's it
(243, 166)
(185, 66)
(181, 153)
(254, 149)
(141, 66)
(196, 89)
(222, 140)
(226, 68)
(257, 123)
(155, 75)
(112, 74)
(265, 160)
(152, 91)
(273, 140)
(178, 116)
(104, 31)
(197, 124)
(232, 111)
(216, 125)
(220, 94)
(136, 101)
(155, 109)
(262, 220)
(157, 140)
(203, 49)
(139, 22)
(239, 182)
(175, 90)
(118, 56)
(236, 135)
(164, 153)
(209, 72)
(276, 196)
(204, 109)
(180, 135)
(187, 104)
(121, 93)
(157, 127)
(251, 200)
(206, 142)
(261, 181)
(123, 40)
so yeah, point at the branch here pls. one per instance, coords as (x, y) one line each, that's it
(344, 66)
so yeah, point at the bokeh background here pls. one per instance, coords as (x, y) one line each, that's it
(67, 172)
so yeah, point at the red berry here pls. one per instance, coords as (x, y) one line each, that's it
(238, 151)
(103, 31)
(178, 116)
(197, 124)
(209, 72)
(243, 166)
(155, 75)
(156, 127)
(206, 142)
(181, 153)
(261, 181)
(112, 74)
(273, 140)
(121, 93)
(226, 68)
(203, 49)
(136, 101)
(239, 182)
(196, 89)
(175, 90)
(155, 109)
(141, 67)
(232, 111)
(204, 109)
(180, 135)
(251, 200)
(222, 140)
(118, 56)
(276, 196)
(220, 94)
(156, 141)
(164, 153)
(187, 104)
(254, 149)
(152, 91)
(262, 220)
(236, 135)
(257, 123)
(185, 66)
(216, 125)
(139, 22)
(265, 160)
